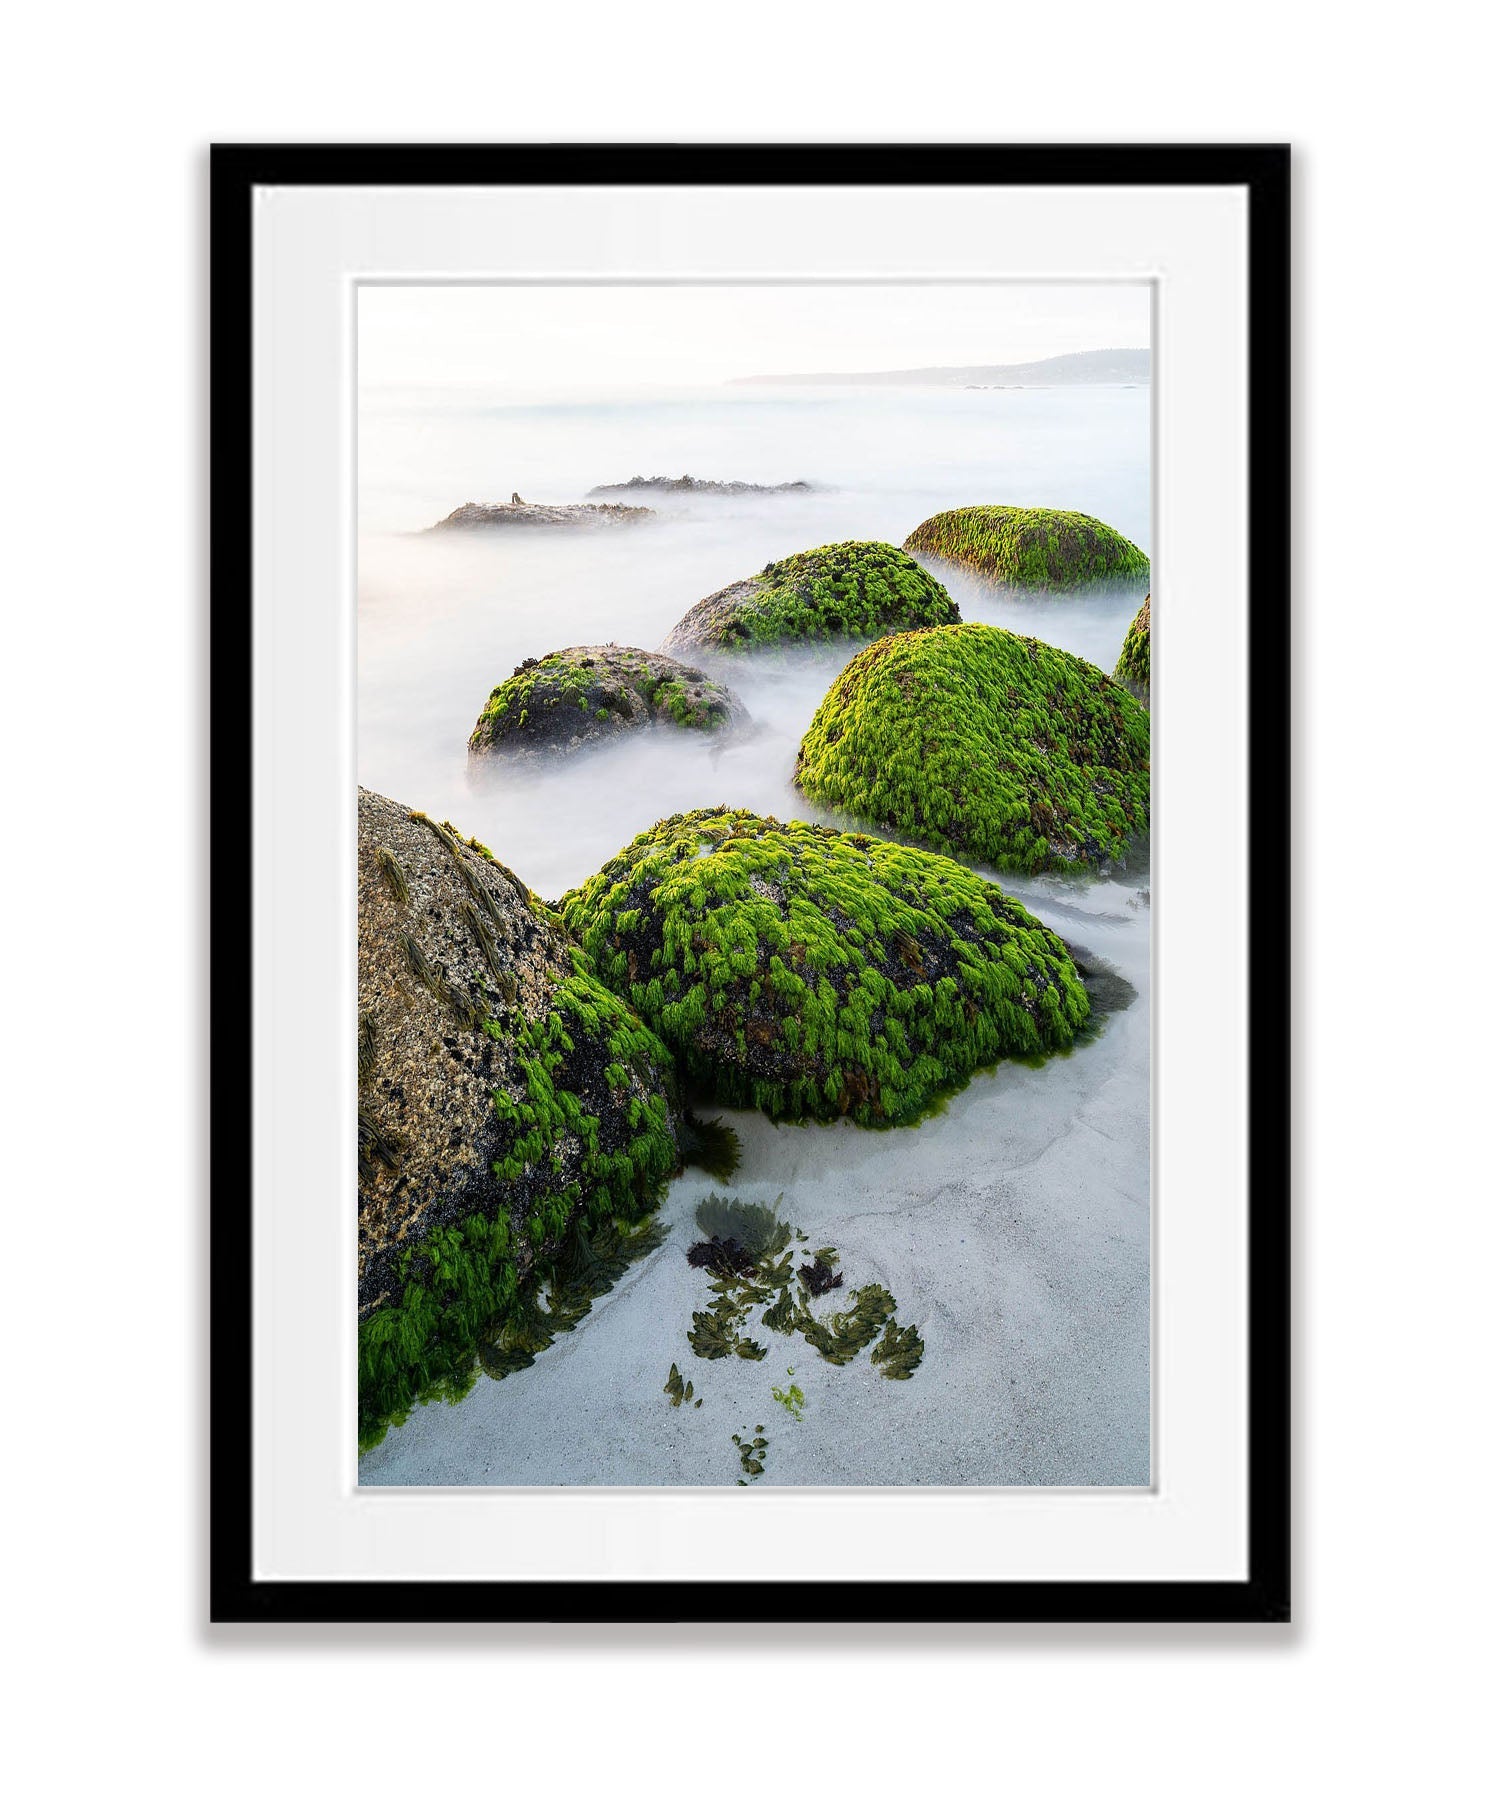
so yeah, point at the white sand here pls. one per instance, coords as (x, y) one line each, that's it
(1013, 1230)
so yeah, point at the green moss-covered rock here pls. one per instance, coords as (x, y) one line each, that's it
(504, 1094)
(822, 974)
(1032, 549)
(1133, 670)
(591, 692)
(986, 745)
(832, 594)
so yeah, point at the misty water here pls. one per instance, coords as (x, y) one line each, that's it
(444, 617)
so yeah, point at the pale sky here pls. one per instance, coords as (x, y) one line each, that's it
(528, 339)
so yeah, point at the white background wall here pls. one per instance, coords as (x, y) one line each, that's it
(1377, 1689)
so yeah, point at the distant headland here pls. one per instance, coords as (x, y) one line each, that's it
(1078, 368)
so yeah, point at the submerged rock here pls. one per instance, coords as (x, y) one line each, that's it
(831, 594)
(1032, 549)
(484, 515)
(690, 484)
(1133, 670)
(821, 974)
(986, 745)
(581, 696)
(503, 1094)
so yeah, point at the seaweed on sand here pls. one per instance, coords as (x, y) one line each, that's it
(760, 1275)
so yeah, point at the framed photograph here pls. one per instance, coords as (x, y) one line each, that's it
(750, 990)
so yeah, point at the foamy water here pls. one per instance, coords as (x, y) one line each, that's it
(1047, 1171)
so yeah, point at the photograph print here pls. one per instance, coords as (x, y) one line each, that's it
(754, 898)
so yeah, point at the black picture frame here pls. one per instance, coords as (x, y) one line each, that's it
(1263, 171)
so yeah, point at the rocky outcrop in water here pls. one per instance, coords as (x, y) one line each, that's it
(504, 1093)
(984, 744)
(519, 514)
(690, 484)
(822, 974)
(1033, 549)
(832, 594)
(573, 698)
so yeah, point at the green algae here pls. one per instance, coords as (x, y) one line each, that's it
(752, 1454)
(985, 745)
(818, 974)
(791, 1397)
(466, 1290)
(1032, 549)
(1133, 670)
(577, 693)
(833, 593)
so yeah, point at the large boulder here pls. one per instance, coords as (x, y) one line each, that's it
(503, 1094)
(1133, 670)
(832, 594)
(1032, 549)
(986, 745)
(820, 974)
(591, 692)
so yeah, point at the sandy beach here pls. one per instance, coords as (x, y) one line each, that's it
(1013, 1230)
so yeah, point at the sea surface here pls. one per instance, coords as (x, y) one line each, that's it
(443, 618)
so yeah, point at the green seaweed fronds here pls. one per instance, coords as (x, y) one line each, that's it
(676, 1390)
(840, 1337)
(710, 1145)
(757, 1228)
(752, 1454)
(716, 1333)
(899, 1352)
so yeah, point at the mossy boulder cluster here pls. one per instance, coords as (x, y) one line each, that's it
(1133, 670)
(581, 696)
(1032, 549)
(984, 744)
(829, 595)
(821, 974)
(504, 1095)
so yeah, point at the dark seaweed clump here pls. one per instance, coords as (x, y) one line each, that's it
(721, 1256)
(819, 1277)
